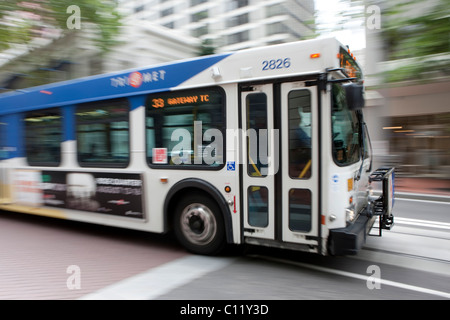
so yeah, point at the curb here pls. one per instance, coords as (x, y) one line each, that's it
(422, 196)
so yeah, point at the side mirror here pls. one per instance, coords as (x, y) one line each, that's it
(354, 95)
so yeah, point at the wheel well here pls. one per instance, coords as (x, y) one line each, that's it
(191, 186)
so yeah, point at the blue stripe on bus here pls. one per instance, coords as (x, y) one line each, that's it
(109, 86)
(13, 141)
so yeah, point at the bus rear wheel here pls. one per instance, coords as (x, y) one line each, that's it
(198, 225)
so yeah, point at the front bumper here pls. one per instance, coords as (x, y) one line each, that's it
(349, 240)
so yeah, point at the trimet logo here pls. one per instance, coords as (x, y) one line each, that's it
(136, 79)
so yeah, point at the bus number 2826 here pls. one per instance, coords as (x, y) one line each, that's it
(276, 64)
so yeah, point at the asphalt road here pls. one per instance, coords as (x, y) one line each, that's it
(49, 259)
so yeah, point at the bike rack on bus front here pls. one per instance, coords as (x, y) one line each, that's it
(383, 205)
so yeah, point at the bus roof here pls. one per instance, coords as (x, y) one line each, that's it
(275, 61)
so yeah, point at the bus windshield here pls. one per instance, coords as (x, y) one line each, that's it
(346, 129)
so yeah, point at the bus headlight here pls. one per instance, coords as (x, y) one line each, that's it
(350, 214)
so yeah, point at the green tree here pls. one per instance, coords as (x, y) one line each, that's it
(21, 21)
(206, 48)
(418, 35)
(412, 29)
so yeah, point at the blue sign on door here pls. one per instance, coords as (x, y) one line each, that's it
(231, 166)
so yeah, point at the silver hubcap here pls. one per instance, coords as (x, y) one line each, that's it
(198, 224)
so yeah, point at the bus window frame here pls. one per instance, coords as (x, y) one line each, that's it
(192, 166)
(333, 150)
(99, 164)
(26, 145)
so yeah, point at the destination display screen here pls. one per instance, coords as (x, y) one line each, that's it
(349, 64)
(170, 100)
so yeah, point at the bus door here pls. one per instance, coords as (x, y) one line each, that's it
(280, 179)
(259, 162)
(299, 181)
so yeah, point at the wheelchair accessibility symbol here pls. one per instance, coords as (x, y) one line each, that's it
(231, 166)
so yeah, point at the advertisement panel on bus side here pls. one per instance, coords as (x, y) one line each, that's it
(118, 194)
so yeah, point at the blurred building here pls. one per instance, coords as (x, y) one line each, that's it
(144, 43)
(157, 31)
(409, 119)
(229, 24)
(418, 127)
(74, 55)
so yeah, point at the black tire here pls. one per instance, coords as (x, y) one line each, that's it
(198, 225)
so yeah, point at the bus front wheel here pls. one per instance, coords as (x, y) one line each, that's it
(198, 225)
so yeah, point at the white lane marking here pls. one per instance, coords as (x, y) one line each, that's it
(160, 280)
(405, 261)
(364, 277)
(422, 223)
(423, 200)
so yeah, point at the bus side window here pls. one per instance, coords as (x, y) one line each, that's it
(103, 133)
(43, 137)
(186, 129)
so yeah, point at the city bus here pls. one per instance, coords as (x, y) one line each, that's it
(265, 146)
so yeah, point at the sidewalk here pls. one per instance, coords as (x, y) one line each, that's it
(423, 188)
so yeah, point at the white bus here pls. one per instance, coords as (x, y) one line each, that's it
(264, 146)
